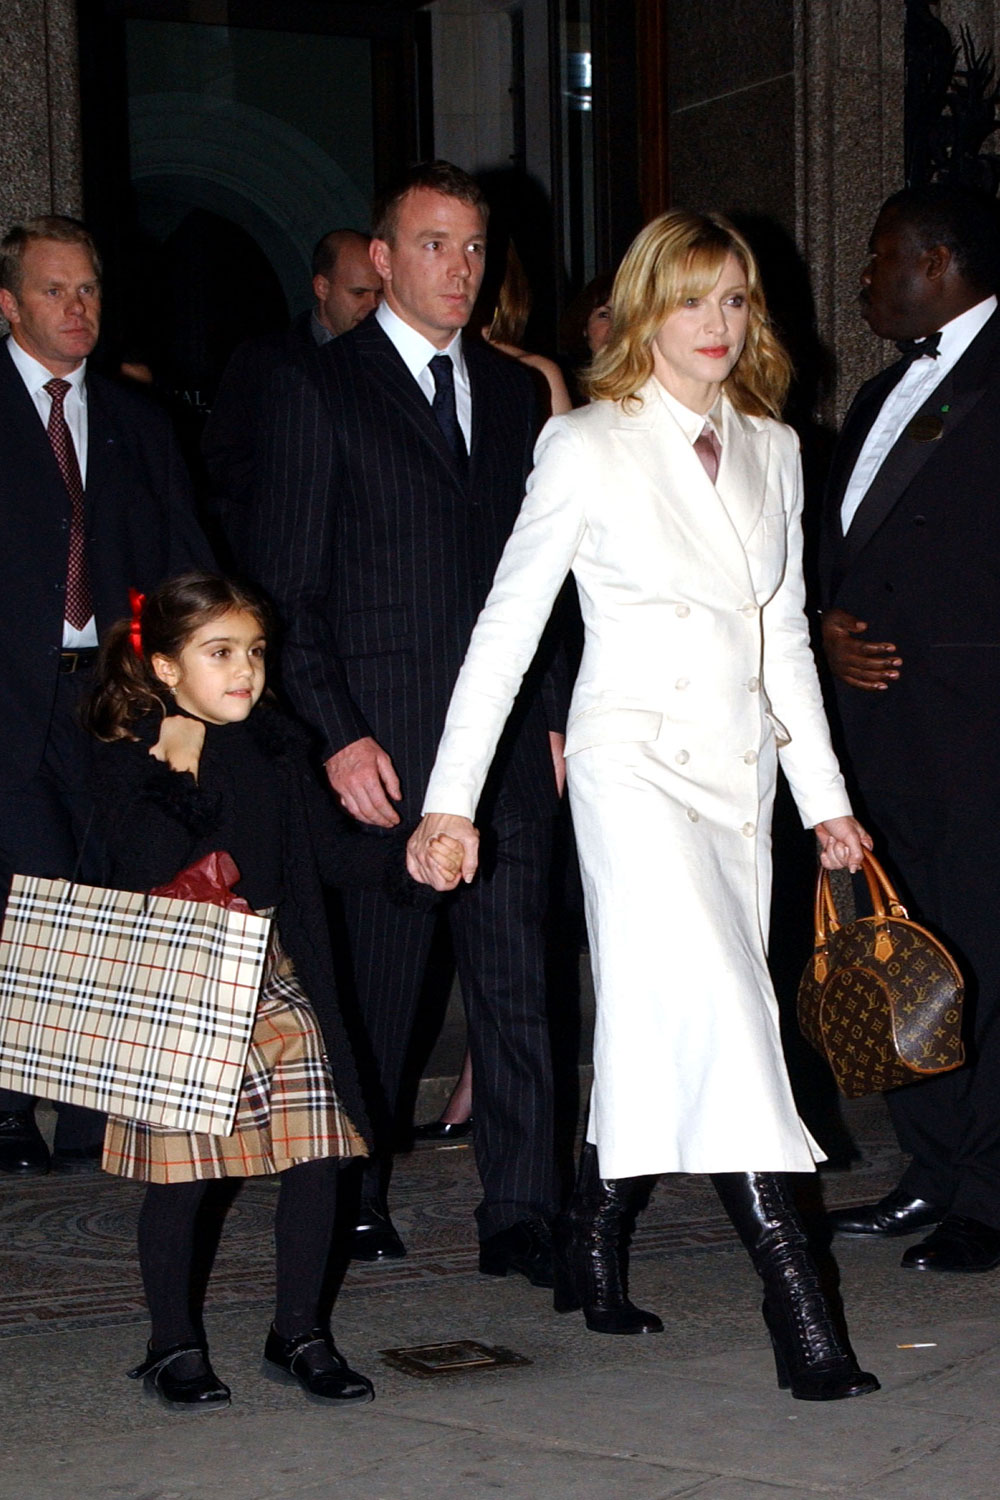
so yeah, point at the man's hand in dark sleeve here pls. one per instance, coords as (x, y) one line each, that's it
(869, 665)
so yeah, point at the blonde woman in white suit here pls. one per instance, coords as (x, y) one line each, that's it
(675, 500)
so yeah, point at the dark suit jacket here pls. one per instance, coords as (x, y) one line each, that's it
(230, 443)
(140, 527)
(379, 549)
(921, 564)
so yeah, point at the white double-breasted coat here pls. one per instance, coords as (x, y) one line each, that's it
(696, 676)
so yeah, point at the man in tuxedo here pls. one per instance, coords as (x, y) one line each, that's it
(911, 626)
(393, 476)
(346, 287)
(94, 500)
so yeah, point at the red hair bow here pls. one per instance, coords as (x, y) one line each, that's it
(136, 601)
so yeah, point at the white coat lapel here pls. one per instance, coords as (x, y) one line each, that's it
(742, 478)
(674, 473)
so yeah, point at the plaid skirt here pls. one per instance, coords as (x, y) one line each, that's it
(288, 1110)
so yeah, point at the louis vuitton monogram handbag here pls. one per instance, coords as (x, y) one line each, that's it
(881, 997)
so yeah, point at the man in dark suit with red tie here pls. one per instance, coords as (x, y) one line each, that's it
(911, 625)
(393, 479)
(94, 500)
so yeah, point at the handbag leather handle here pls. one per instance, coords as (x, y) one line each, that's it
(881, 889)
(885, 904)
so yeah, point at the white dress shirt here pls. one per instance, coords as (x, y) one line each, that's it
(416, 352)
(35, 377)
(692, 423)
(905, 400)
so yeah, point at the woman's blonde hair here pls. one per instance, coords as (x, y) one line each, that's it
(680, 255)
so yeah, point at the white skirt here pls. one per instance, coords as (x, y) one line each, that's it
(689, 1073)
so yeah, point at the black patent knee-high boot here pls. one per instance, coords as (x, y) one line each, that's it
(811, 1357)
(591, 1258)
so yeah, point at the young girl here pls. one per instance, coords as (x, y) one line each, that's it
(193, 762)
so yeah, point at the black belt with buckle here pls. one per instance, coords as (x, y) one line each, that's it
(77, 661)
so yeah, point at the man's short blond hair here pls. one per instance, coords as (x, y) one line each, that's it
(45, 227)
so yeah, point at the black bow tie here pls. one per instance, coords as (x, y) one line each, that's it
(912, 349)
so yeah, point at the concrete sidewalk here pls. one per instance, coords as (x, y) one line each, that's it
(693, 1412)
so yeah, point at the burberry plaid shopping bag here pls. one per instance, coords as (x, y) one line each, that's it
(136, 1005)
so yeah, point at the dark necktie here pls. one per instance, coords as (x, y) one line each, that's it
(443, 406)
(709, 450)
(912, 349)
(79, 607)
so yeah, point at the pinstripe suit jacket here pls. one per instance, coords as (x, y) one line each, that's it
(378, 550)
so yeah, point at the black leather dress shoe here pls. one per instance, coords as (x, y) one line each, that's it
(375, 1236)
(22, 1149)
(76, 1159)
(314, 1361)
(182, 1379)
(442, 1132)
(957, 1244)
(895, 1214)
(525, 1247)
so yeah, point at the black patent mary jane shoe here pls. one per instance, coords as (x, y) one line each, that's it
(182, 1379)
(314, 1361)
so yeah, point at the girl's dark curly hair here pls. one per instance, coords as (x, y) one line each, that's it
(127, 688)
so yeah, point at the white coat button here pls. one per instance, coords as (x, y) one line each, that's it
(681, 684)
(748, 830)
(749, 610)
(682, 757)
(753, 684)
(682, 611)
(750, 758)
(692, 815)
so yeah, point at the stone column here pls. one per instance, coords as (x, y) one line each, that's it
(849, 157)
(40, 168)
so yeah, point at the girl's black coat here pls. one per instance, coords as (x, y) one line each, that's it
(156, 822)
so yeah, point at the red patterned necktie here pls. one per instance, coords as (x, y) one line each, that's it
(79, 607)
(709, 450)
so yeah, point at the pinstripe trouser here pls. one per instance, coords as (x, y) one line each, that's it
(497, 932)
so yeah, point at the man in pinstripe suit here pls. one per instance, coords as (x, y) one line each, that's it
(392, 479)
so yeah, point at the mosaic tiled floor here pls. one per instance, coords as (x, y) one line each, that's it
(67, 1245)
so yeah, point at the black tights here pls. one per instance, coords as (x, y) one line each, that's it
(170, 1241)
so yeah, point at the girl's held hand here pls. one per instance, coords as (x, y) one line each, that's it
(446, 855)
(180, 743)
(443, 849)
(841, 841)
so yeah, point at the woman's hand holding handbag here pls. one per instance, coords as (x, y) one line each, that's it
(881, 997)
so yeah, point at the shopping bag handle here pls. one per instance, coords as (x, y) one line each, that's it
(75, 877)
